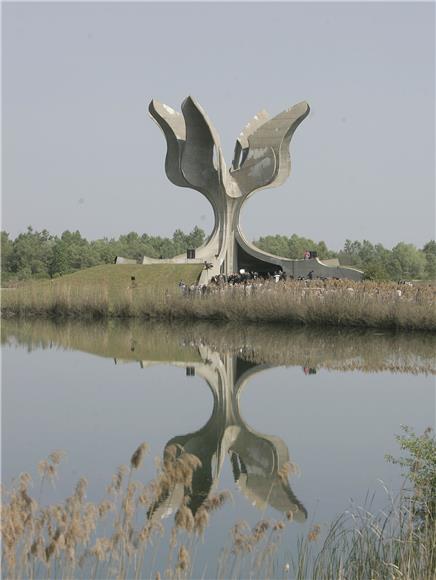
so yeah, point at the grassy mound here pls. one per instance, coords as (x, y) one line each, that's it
(110, 289)
(119, 276)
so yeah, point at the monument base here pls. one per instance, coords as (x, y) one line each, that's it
(251, 259)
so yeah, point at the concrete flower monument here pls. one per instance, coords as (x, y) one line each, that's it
(261, 160)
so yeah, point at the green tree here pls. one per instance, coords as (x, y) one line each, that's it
(7, 247)
(420, 467)
(293, 247)
(296, 247)
(104, 251)
(324, 252)
(367, 252)
(277, 245)
(180, 242)
(374, 270)
(60, 262)
(350, 254)
(196, 237)
(130, 246)
(31, 254)
(429, 251)
(411, 261)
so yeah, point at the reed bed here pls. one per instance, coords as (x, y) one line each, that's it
(330, 303)
(119, 536)
(272, 344)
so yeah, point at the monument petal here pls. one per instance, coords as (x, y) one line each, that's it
(202, 162)
(173, 127)
(267, 162)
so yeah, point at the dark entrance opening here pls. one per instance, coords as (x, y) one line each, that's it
(251, 264)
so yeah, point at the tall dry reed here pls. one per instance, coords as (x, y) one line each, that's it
(120, 536)
(330, 303)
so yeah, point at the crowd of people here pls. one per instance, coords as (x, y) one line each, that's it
(250, 283)
(242, 276)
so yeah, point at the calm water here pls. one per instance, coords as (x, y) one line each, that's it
(332, 408)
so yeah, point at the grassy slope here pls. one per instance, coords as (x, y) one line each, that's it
(118, 276)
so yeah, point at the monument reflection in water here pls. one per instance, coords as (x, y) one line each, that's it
(260, 463)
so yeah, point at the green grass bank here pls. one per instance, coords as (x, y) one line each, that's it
(118, 277)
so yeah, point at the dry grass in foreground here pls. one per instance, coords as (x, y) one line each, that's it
(119, 537)
(329, 303)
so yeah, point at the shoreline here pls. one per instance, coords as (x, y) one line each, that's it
(389, 326)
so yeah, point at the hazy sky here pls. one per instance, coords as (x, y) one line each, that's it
(81, 152)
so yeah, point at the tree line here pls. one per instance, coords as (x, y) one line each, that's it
(403, 261)
(35, 254)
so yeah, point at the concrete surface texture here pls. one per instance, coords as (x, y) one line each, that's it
(194, 159)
